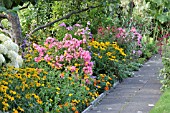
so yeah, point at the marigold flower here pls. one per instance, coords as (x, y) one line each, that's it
(70, 94)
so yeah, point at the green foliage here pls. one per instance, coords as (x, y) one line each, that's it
(159, 9)
(9, 4)
(165, 72)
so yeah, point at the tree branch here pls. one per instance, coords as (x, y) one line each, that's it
(24, 7)
(62, 18)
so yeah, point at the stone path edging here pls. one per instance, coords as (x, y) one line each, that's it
(99, 98)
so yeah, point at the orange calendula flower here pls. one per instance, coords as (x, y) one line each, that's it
(76, 112)
(73, 108)
(106, 88)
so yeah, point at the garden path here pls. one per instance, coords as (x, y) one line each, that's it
(134, 95)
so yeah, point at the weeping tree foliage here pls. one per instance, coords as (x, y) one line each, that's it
(9, 10)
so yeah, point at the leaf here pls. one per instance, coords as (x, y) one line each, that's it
(162, 18)
(15, 9)
(7, 3)
(158, 2)
(2, 9)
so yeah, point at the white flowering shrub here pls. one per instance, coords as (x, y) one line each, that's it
(9, 52)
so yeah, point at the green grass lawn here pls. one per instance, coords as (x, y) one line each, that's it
(163, 105)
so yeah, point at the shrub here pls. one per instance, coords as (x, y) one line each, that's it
(9, 52)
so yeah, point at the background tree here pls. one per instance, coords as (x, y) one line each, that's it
(9, 10)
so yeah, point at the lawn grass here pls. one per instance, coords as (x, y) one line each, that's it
(163, 105)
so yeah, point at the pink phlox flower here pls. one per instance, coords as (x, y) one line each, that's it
(133, 29)
(139, 52)
(61, 58)
(72, 68)
(53, 44)
(118, 35)
(77, 25)
(100, 30)
(62, 24)
(47, 58)
(80, 49)
(76, 55)
(89, 64)
(58, 65)
(76, 43)
(69, 28)
(50, 40)
(40, 49)
(67, 43)
(121, 30)
(88, 70)
(69, 57)
(37, 59)
(86, 56)
(67, 37)
(88, 81)
(59, 45)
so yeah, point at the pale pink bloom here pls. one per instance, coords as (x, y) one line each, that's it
(76, 55)
(77, 25)
(89, 64)
(47, 58)
(59, 45)
(58, 65)
(72, 68)
(87, 81)
(41, 53)
(139, 52)
(121, 29)
(61, 58)
(52, 44)
(49, 40)
(39, 48)
(133, 29)
(69, 28)
(85, 55)
(68, 57)
(67, 43)
(88, 70)
(67, 37)
(62, 25)
(37, 59)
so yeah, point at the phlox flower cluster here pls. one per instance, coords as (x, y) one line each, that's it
(65, 54)
(9, 52)
(138, 35)
(80, 31)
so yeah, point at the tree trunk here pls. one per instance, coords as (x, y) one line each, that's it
(15, 27)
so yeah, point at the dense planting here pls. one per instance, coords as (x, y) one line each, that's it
(50, 67)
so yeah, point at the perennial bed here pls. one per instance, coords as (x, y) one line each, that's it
(69, 74)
